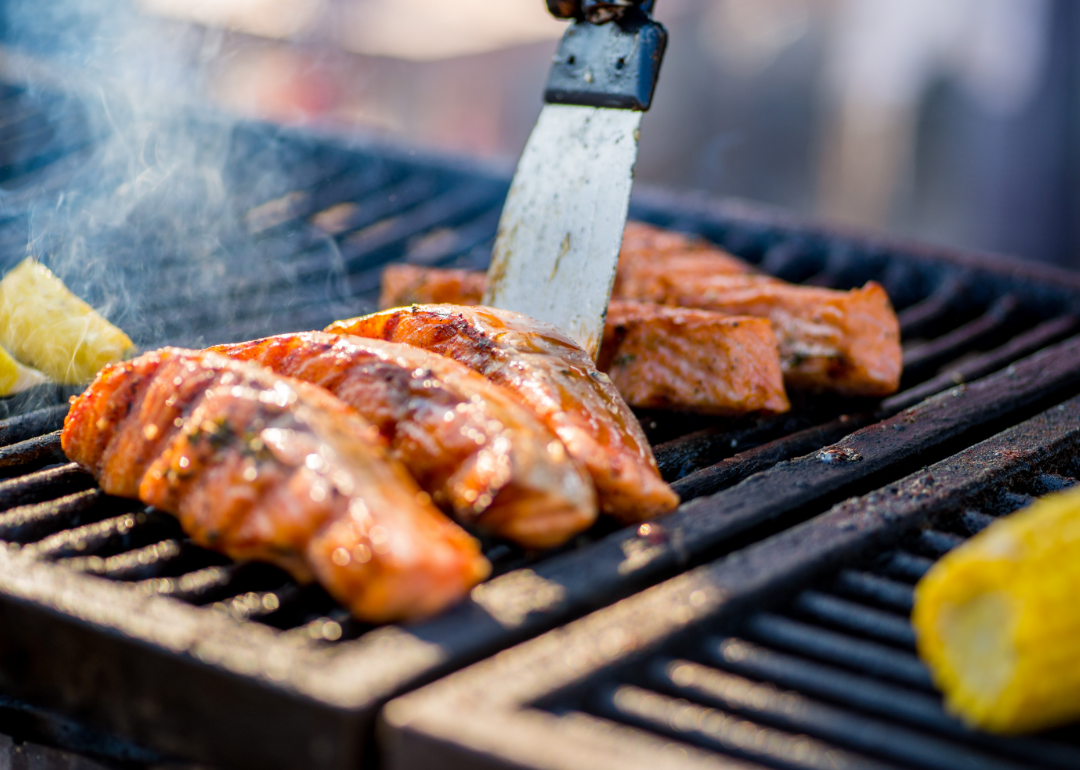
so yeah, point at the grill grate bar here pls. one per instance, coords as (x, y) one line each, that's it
(374, 246)
(875, 588)
(108, 537)
(884, 699)
(218, 583)
(1012, 501)
(43, 450)
(167, 558)
(350, 185)
(326, 266)
(375, 210)
(930, 356)
(930, 313)
(1018, 347)
(44, 485)
(1046, 483)
(798, 714)
(939, 543)
(879, 698)
(976, 521)
(684, 460)
(907, 566)
(719, 730)
(30, 523)
(32, 425)
(877, 624)
(833, 647)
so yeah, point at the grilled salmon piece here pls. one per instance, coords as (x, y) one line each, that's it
(483, 457)
(258, 466)
(658, 357)
(651, 257)
(841, 341)
(552, 376)
(675, 358)
(403, 284)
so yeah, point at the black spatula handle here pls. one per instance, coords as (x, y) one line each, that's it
(596, 11)
(605, 64)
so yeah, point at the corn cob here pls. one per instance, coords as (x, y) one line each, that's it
(998, 620)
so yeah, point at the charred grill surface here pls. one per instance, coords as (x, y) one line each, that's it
(236, 664)
(793, 653)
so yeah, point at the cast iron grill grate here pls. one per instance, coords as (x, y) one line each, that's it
(794, 653)
(303, 245)
(833, 673)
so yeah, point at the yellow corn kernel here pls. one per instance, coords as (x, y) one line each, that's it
(45, 326)
(998, 620)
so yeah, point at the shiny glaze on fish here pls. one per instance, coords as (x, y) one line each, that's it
(658, 357)
(551, 375)
(261, 467)
(482, 456)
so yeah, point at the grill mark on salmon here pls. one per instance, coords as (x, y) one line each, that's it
(554, 378)
(658, 357)
(846, 342)
(482, 456)
(261, 467)
(676, 358)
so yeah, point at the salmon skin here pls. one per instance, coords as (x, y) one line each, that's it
(658, 357)
(483, 457)
(261, 467)
(553, 377)
(677, 358)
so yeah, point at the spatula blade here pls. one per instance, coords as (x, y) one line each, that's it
(562, 224)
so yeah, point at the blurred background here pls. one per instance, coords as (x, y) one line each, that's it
(954, 121)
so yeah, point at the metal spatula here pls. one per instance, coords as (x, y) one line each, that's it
(562, 224)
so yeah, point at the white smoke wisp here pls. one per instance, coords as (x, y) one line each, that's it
(144, 220)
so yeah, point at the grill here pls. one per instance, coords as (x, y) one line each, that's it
(110, 617)
(795, 652)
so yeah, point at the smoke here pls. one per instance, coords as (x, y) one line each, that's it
(127, 186)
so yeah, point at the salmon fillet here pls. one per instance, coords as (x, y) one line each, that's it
(403, 284)
(257, 466)
(841, 341)
(658, 358)
(651, 256)
(648, 255)
(554, 378)
(846, 342)
(675, 358)
(483, 457)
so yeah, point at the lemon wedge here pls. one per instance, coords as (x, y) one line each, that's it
(15, 378)
(47, 327)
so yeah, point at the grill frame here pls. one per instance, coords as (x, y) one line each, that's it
(236, 684)
(164, 675)
(497, 713)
